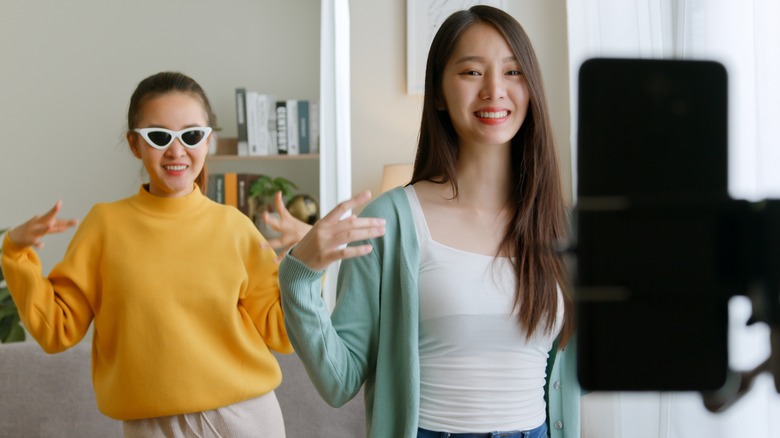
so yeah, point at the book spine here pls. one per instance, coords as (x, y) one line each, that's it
(293, 145)
(274, 141)
(231, 189)
(263, 112)
(219, 188)
(245, 181)
(314, 127)
(211, 187)
(281, 127)
(243, 145)
(303, 126)
(251, 123)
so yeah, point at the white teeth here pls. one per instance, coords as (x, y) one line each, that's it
(491, 115)
(175, 168)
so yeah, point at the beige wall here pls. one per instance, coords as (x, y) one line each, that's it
(68, 69)
(385, 120)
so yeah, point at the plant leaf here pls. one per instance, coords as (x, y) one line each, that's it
(16, 333)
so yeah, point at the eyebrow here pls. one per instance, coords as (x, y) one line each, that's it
(476, 58)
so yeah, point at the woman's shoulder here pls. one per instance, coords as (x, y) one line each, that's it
(394, 207)
(389, 203)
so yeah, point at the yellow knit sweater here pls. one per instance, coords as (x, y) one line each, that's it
(185, 304)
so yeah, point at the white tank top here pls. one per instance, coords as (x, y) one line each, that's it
(477, 371)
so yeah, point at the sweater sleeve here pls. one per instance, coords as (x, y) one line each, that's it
(336, 350)
(261, 298)
(54, 310)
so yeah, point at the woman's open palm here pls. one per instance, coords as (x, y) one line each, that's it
(31, 232)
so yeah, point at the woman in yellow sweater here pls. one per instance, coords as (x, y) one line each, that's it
(182, 291)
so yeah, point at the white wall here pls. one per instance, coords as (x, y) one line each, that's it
(386, 120)
(68, 69)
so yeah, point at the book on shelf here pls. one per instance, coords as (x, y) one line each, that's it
(314, 127)
(303, 126)
(245, 181)
(243, 141)
(215, 188)
(250, 105)
(281, 127)
(231, 188)
(265, 125)
(293, 135)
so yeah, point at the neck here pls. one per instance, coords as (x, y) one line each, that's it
(484, 179)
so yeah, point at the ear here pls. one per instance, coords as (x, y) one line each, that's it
(132, 140)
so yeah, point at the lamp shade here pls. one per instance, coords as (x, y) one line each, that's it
(394, 175)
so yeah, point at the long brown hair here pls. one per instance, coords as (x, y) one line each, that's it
(163, 83)
(536, 209)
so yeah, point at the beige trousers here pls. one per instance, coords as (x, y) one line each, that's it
(257, 417)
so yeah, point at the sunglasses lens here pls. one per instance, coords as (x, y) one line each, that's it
(159, 138)
(192, 138)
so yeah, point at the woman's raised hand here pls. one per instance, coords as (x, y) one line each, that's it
(291, 229)
(326, 241)
(30, 232)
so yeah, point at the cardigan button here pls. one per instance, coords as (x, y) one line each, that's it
(557, 384)
(559, 424)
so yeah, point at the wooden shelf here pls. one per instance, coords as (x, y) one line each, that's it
(219, 157)
(227, 151)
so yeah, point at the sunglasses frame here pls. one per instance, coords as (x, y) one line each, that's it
(174, 135)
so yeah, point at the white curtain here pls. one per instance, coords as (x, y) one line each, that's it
(335, 127)
(744, 35)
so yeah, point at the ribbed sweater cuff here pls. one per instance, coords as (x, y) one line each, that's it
(295, 277)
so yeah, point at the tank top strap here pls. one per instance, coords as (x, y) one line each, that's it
(423, 233)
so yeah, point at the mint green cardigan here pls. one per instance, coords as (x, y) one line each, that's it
(371, 337)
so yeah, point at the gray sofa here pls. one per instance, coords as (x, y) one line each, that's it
(51, 396)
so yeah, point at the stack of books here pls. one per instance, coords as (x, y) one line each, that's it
(269, 126)
(232, 188)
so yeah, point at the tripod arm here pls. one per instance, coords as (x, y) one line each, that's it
(738, 383)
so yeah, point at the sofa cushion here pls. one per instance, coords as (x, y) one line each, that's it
(306, 414)
(43, 395)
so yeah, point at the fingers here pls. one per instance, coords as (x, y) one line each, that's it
(272, 221)
(355, 229)
(341, 254)
(61, 225)
(351, 252)
(280, 207)
(51, 214)
(340, 210)
(327, 243)
(54, 225)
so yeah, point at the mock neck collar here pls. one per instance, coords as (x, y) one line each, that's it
(158, 205)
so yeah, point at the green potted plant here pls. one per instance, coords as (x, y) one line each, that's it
(10, 325)
(264, 189)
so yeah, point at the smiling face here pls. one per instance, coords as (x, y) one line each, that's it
(483, 88)
(172, 171)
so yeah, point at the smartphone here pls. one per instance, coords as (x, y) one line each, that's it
(659, 245)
